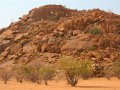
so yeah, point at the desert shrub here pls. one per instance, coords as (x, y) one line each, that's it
(95, 31)
(32, 74)
(86, 69)
(36, 65)
(93, 48)
(117, 69)
(108, 71)
(18, 72)
(71, 68)
(47, 73)
(5, 75)
(74, 69)
(35, 54)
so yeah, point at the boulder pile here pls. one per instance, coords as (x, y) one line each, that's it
(51, 31)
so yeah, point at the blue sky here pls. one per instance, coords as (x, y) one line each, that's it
(11, 10)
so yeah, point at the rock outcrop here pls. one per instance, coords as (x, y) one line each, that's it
(50, 31)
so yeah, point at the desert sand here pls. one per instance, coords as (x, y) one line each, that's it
(91, 84)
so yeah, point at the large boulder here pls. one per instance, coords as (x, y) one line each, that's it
(18, 37)
(16, 48)
(75, 45)
(7, 35)
(3, 45)
(44, 48)
(29, 47)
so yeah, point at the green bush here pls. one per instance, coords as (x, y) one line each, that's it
(95, 31)
(47, 73)
(32, 74)
(93, 48)
(35, 54)
(74, 69)
(86, 69)
(71, 68)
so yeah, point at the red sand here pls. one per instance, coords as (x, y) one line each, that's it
(91, 84)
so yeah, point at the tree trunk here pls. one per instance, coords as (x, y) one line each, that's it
(46, 82)
(20, 81)
(5, 81)
(72, 79)
(72, 82)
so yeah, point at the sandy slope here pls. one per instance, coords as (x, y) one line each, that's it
(92, 84)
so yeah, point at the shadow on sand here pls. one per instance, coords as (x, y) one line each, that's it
(95, 87)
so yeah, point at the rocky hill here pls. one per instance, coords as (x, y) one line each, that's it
(51, 31)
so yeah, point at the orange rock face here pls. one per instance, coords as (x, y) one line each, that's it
(56, 30)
